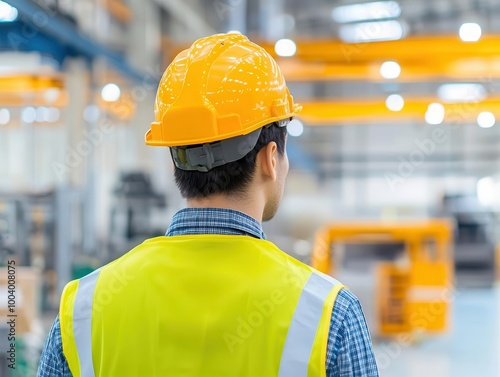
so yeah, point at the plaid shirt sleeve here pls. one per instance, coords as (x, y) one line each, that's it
(52, 362)
(349, 352)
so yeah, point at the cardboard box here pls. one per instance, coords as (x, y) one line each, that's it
(27, 292)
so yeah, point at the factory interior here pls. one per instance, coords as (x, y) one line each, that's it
(394, 180)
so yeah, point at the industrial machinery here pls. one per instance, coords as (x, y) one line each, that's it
(474, 240)
(135, 201)
(414, 292)
(7, 237)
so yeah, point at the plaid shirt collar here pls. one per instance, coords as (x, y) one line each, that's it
(214, 221)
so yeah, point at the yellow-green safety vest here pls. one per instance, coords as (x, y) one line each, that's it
(199, 305)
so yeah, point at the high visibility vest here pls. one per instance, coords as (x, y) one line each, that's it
(202, 305)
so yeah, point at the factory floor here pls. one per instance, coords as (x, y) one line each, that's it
(470, 349)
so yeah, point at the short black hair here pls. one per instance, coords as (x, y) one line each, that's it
(232, 178)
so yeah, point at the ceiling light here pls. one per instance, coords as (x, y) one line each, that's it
(470, 32)
(53, 115)
(4, 116)
(395, 102)
(111, 92)
(372, 32)
(461, 92)
(367, 11)
(28, 115)
(390, 70)
(42, 114)
(91, 114)
(51, 95)
(295, 128)
(285, 47)
(7, 13)
(435, 114)
(486, 119)
(486, 190)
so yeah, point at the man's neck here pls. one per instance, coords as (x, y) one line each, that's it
(248, 207)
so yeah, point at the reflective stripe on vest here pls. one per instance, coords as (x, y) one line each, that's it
(304, 326)
(82, 322)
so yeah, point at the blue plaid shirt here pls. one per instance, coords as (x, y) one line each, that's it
(349, 352)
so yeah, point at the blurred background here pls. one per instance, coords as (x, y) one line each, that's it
(394, 185)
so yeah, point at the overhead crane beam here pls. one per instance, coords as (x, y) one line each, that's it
(424, 49)
(347, 111)
(52, 24)
(421, 58)
(461, 69)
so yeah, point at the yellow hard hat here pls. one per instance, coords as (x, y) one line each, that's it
(222, 87)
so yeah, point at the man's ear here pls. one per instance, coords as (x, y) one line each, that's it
(268, 160)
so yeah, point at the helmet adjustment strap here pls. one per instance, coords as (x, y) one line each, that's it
(210, 155)
(205, 157)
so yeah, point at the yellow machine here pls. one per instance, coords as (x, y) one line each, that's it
(412, 294)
